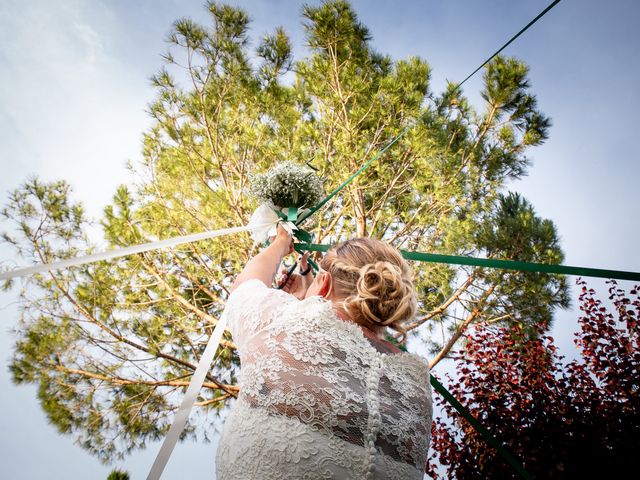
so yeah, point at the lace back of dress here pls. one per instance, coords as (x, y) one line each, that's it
(304, 363)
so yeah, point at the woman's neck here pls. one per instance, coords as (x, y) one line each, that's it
(342, 315)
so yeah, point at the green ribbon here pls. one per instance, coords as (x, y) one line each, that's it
(302, 235)
(428, 257)
(313, 264)
(461, 409)
(280, 214)
(354, 175)
(292, 214)
(391, 339)
(492, 263)
(491, 440)
(411, 125)
(540, 15)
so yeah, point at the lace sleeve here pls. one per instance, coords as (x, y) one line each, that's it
(250, 309)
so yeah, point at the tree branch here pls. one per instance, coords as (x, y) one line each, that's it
(475, 313)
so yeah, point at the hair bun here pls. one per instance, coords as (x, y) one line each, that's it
(384, 294)
(373, 282)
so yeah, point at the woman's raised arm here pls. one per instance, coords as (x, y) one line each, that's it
(264, 265)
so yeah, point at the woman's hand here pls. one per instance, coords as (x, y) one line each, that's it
(265, 264)
(297, 285)
(284, 240)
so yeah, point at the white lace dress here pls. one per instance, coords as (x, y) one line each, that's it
(317, 400)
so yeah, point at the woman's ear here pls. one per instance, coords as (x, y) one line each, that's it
(324, 287)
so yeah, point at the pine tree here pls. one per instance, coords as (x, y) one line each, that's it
(112, 345)
(118, 475)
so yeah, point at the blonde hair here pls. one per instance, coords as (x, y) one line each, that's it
(374, 282)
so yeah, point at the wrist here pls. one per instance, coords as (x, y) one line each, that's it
(305, 271)
(281, 245)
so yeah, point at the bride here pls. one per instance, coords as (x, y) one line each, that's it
(322, 394)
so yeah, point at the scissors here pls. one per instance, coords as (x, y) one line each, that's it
(290, 270)
(287, 275)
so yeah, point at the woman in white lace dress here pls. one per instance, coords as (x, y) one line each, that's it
(322, 395)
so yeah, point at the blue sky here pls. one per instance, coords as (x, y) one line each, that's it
(74, 90)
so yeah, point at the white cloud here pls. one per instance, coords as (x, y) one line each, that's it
(71, 109)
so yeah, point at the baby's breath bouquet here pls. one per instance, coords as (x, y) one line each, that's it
(288, 185)
(285, 191)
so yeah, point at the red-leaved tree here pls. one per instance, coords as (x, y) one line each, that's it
(564, 421)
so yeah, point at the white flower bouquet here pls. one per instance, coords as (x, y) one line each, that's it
(285, 191)
(288, 185)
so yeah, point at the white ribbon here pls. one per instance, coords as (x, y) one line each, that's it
(265, 220)
(122, 252)
(187, 402)
(212, 345)
(261, 222)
